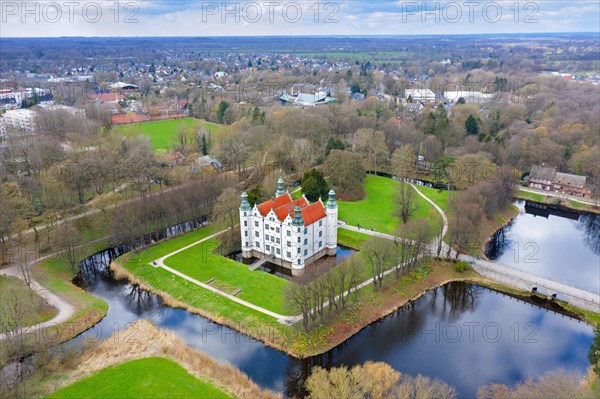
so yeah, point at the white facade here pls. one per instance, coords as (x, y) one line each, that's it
(294, 232)
(20, 119)
(425, 95)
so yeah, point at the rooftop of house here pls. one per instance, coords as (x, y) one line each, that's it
(542, 172)
(284, 206)
(567, 179)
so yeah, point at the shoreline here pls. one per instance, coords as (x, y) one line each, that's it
(437, 279)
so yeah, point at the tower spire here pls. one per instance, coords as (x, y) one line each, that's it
(280, 189)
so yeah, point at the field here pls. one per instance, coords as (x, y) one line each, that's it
(440, 197)
(378, 209)
(144, 378)
(162, 133)
(32, 308)
(199, 262)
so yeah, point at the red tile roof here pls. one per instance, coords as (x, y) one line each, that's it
(284, 206)
(313, 213)
(288, 209)
(266, 206)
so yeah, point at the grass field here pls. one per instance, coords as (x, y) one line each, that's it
(199, 262)
(440, 197)
(161, 133)
(257, 287)
(351, 239)
(378, 209)
(33, 307)
(153, 377)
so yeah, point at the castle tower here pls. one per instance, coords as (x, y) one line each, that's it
(280, 189)
(246, 226)
(298, 242)
(332, 221)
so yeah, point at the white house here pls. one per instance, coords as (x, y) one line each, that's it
(20, 119)
(293, 233)
(424, 95)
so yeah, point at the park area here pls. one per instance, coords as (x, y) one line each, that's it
(377, 211)
(152, 377)
(162, 134)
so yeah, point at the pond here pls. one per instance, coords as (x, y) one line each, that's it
(551, 242)
(460, 333)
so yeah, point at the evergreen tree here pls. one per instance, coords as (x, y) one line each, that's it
(223, 105)
(204, 144)
(314, 185)
(472, 126)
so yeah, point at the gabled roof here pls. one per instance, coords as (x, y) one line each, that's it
(266, 206)
(288, 209)
(284, 206)
(566, 179)
(542, 172)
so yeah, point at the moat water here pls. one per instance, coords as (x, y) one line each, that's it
(555, 243)
(462, 334)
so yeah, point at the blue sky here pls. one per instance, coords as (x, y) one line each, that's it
(300, 17)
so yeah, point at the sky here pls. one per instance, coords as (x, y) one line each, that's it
(20, 18)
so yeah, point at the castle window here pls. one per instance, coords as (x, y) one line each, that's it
(277, 229)
(298, 240)
(289, 233)
(289, 243)
(305, 230)
(298, 261)
(320, 233)
(256, 234)
(288, 254)
(305, 252)
(245, 223)
(277, 240)
(320, 244)
(244, 213)
(245, 233)
(305, 241)
(267, 247)
(320, 222)
(298, 229)
(278, 251)
(257, 244)
(298, 250)
(256, 223)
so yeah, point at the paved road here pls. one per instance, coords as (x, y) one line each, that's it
(559, 195)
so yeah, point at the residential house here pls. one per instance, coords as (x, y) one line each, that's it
(547, 178)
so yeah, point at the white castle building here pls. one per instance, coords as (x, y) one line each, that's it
(293, 233)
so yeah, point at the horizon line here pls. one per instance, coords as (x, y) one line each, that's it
(309, 36)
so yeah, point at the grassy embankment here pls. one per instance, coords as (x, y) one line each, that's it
(145, 378)
(378, 209)
(146, 362)
(13, 291)
(162, 133)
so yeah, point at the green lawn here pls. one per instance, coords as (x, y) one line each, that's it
(260, 288)
(257, 287)
(161, 133)
(377, 210)
(32, 308)
(440, 197)
(153, 377)
(351, 239)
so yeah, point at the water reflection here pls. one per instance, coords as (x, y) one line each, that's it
(561, 245)
(463, 334)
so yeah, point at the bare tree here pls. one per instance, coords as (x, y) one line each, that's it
(379, 254)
